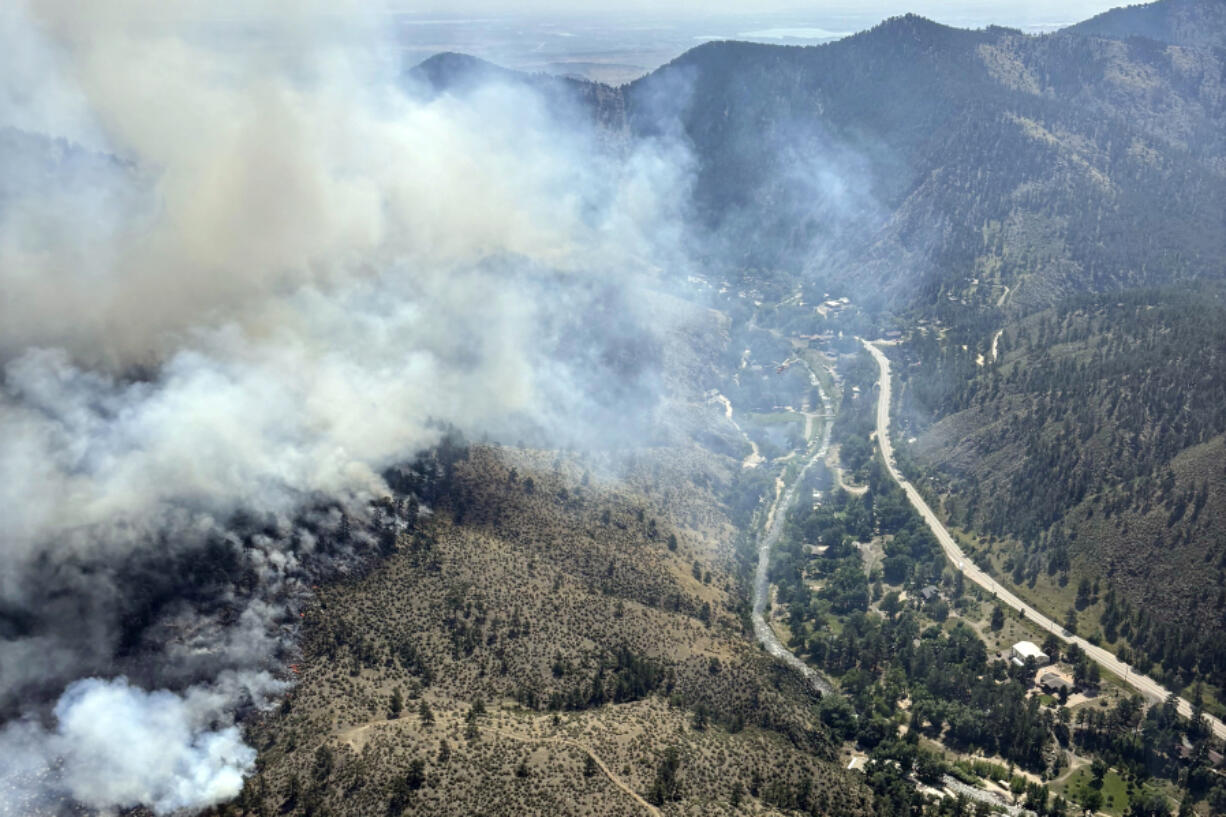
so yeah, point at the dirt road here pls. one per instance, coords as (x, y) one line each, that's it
(353, 735)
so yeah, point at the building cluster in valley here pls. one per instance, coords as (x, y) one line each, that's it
(832, 306)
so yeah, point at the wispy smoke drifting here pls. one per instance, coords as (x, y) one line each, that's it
(246, 267)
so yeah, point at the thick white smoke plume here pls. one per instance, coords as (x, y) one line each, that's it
(247, 265)
(119, 746)
(170, 758)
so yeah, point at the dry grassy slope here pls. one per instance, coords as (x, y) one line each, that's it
(530, 578)
(1175, 570)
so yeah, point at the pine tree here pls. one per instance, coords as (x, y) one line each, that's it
(396, 706)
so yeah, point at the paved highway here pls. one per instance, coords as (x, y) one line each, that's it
(1143, 684)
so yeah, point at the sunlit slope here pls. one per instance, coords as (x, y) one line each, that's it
(539, 591)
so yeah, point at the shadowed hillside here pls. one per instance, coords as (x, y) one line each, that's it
(919, 164)
(943, 163)
(1194, 23)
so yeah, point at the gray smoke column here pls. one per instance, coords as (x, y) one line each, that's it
(245, 270)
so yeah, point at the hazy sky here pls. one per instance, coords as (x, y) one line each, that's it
(615, 41)
(1006, 11)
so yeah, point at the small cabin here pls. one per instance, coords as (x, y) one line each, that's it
(1055, 682)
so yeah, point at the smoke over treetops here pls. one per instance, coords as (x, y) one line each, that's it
(246, 269)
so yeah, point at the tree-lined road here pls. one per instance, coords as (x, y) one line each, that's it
(1144, 684)
(773, 526)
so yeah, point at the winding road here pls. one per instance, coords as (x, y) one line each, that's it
(775, 520)
(1142, 683)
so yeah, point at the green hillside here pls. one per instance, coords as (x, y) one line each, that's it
(1092, 448)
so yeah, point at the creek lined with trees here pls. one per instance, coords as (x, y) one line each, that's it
(773, 528)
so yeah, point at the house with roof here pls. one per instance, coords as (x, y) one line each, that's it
(1023, 650)
(1054, 682)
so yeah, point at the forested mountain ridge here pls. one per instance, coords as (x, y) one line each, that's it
(453, 72)
(1180, 22)
(917, 163)
(958, 163)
